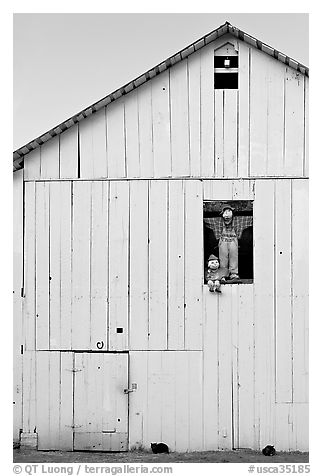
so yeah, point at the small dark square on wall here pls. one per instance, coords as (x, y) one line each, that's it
(218, 231)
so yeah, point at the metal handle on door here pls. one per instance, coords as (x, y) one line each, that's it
(133, 388)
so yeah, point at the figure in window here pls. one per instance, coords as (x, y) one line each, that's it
(228, 228)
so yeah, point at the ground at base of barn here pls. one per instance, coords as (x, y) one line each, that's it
(25, 455)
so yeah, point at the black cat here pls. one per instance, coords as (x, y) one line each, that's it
(269, 450)
(159, 448)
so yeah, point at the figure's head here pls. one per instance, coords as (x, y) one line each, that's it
(213, 262)
(227, 213)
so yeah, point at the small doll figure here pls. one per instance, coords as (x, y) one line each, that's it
(215, 275)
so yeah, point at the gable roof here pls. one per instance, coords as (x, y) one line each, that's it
(226, 28)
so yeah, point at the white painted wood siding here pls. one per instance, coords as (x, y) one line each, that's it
(249, 345)
(177, 125)
(17, 301)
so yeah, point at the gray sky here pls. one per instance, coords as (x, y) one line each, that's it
(65, 62)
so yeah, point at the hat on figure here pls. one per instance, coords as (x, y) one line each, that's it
(225, 207)
(212, 257)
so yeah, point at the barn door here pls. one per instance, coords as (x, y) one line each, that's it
(100, 404)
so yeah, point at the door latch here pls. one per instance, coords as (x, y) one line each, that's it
(133, 388)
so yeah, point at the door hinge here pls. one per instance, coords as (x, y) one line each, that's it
(73, 426)
(74, 370)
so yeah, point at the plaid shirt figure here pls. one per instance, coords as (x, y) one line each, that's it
(235, 228)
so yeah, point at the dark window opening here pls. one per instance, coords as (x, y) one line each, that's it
(226, 80)
(241, 225)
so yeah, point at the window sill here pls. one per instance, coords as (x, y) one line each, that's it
(240, 281)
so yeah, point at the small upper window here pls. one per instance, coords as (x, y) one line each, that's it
(226, 67)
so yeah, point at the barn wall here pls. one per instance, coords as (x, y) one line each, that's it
(177, 125)
(249, 345)
(112, 258)
(17, 301)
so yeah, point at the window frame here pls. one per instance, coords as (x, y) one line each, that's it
(220, 203)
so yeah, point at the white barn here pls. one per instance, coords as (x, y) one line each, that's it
(109, 290)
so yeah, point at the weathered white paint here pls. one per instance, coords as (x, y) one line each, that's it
(177, 125)
(153, 282)
(99, 383)
(17, 301)
(113, 217)
(54, 393)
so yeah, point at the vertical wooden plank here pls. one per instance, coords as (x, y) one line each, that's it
(207, 111)
(258, 113)
(218, 189)
(42, 266)
(179, 119)
(132, 145)
(244, 117)
(116, 166)
(294, 122)
(144, 93)
(300, 246)
(66, 265)
(243, 189)
(18, 214)
(43, 400)
(210, 370)
(66, 401)
(182, 402)
(118, 265)
(306, 128)
(168, 399)
(176, 266)
(55, 265)
(193, 264)
(32, 165)
(99, 265)
(154, 417)
(300, 427)
(68, 156)
(81, 246)
(264, 313)
(230, 133)
(225, 370)
(246, 367)
(219, 132)
(82, 382)
(29, 392)
(106, 392)
(138, 403)
(284, 424)
(54, 399)
(275, 118)
(195, 389)
(49, 159)
(194, 112)
(121, 373)
(92, 143)
(235, 303)
(161, 125)
(139, 266)
(158, 272)
(29, 303)
(284, 282)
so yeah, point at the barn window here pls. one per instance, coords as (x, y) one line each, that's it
(218, 234)
(226, 67)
